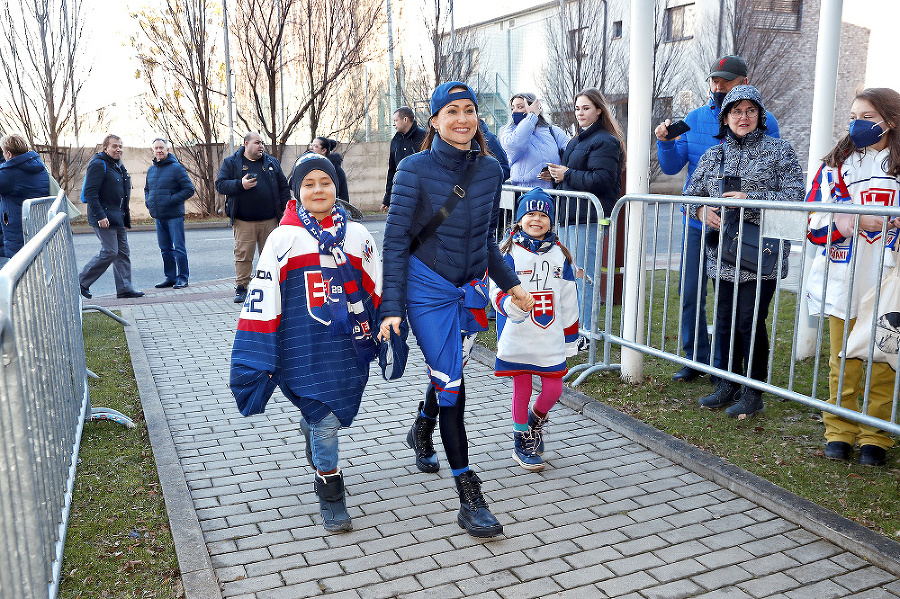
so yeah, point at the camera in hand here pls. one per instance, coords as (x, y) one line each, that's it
(729, 183)
(675, 129)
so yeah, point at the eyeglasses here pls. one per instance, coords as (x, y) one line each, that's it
(750, 113)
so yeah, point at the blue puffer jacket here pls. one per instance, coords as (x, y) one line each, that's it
(22, 177)
(530, 148)
(167, 188)
(704, 124)
(461, 249)
(106, 190)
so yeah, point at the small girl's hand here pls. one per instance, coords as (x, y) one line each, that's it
(521, 298)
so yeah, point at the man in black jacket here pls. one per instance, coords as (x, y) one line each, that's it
(106, 191)
(256, 192)
(406, 142)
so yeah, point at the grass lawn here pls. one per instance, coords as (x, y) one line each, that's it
(118, 542)
(783, 445)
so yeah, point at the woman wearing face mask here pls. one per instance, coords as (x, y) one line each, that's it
(768, 170)
(592, 162)
(866, 158)
(530, 142)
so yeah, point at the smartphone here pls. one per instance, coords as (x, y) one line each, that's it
(546, 169)
(251, 176)
(730, 183)
(677, 128)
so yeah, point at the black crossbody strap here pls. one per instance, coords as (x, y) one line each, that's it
(456, 194)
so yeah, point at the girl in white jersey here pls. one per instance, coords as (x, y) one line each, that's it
(863, 168)
(536, 343)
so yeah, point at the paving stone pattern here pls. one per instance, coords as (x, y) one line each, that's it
(606, 518)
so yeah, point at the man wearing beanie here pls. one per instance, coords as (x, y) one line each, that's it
(725, 74)
(256, 192)
(306, 327)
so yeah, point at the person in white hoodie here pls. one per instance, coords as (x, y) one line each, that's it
(863, 168)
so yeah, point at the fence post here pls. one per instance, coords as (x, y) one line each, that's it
(637, 180)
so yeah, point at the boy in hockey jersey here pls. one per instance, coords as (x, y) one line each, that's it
(306, 324)
(536, 343)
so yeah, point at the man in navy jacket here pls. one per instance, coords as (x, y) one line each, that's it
(256, 192)
(724, 74)
(406, 142)
(106, 191)
(166, 189)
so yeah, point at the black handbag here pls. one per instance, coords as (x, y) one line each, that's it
(747, 237)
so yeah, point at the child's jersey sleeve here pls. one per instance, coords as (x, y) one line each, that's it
(255, 356)
(568, 301)
(825, 189)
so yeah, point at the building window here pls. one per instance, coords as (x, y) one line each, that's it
(680, 22)
(576, 42)
(617, 29)
(777, 14)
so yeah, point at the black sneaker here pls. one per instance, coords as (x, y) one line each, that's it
(872, 455)
(749, 403)
(838, 450)
(240, 294)
(724, 395)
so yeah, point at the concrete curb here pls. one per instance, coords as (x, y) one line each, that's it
(197, 573)
(877, 549)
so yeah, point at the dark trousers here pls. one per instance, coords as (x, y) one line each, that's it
(737, 336)
(452, 425)
(113, 250)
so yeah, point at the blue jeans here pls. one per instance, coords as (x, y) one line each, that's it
(170, 236)
(693, 272)
(323, 436)
(575, 238)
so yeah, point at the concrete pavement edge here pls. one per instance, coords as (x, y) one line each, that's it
(876, 548)
(197, 573)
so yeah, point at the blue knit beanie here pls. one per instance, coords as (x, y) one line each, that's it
(442, 96)
(536, 200)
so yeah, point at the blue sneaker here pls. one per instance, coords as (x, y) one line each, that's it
(525, 452)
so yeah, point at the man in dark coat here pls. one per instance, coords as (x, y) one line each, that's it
(256, 192)
(406, 142)
(106, 191)
(166, 189)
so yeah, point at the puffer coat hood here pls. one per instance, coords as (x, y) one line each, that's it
(739, 94)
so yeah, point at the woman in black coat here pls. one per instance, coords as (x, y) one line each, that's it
(592, 162)
(325, 147)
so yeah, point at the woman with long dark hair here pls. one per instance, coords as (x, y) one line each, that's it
(592, 162)
(435, 276)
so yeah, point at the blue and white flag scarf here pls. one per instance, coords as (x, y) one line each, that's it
(535, 246)
(349, 315)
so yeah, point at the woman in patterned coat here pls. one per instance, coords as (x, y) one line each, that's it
(769, 170)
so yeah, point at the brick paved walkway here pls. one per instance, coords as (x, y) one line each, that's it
(606, 518)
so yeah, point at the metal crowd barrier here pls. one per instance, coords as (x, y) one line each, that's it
(657, 329)
(35, 214)
(585, 230)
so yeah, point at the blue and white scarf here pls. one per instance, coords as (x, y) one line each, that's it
(535, 246)
(349, 315)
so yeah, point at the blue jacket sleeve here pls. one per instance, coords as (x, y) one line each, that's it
(499, 270)
(397, 237)
(226, 183)
(185, 186)
(90, 190)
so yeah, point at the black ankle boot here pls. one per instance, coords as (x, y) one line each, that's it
(419, 440)
(749, 403)
(473, 511)
(724, 395)
(332, 507)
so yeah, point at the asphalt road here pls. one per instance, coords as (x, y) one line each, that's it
(210, 256)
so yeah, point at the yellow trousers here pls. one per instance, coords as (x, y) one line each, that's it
(881, 392)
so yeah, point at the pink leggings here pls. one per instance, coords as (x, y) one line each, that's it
(551, 389)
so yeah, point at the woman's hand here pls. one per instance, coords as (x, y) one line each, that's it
(534, 107)
(710, 216)
(545, 175)
(738, 195)
(521, 298)
(557, 171)
(391, 322)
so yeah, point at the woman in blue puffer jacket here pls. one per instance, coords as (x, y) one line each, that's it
(23, 176)
(530, 142)
(439, 285)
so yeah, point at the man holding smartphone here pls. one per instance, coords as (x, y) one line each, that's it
(256, 192)
(686, 149)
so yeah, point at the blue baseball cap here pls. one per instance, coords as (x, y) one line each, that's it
(442, 96)
(393, 353)
(536, 200)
